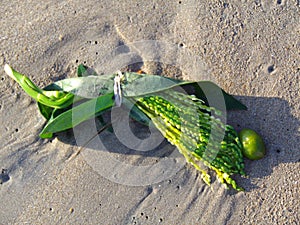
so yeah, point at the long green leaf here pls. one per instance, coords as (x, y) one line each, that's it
(77, 115)
(135, 84)
(142, 84)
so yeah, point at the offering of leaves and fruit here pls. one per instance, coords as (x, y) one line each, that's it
(185, 119)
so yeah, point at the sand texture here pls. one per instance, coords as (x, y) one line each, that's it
(249, 48)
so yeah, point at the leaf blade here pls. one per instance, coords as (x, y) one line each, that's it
(77, 115)
(86, 87)
(143, 84)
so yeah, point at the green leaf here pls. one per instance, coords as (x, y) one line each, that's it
(51, 98)
(81, 70)
(84, 71)
(46, 111)
(77, 114)
(86, 87)
(196, 88)
(140, 84)
(143, 84)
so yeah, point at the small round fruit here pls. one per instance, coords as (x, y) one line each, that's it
(253, 145)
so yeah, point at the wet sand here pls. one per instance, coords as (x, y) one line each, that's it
(250, 49)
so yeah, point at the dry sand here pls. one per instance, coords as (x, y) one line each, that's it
(250, 48)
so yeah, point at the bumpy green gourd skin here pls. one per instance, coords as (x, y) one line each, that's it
(191, 126)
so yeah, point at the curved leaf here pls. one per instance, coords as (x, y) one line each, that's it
(77, 114)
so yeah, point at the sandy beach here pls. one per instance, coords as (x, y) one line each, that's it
(251, 49)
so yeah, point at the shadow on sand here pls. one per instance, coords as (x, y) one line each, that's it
(270, 117)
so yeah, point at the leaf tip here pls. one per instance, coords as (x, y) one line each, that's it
(46, 135)
(9, 71)
(81, 70)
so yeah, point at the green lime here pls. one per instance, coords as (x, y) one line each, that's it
(253, 145)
